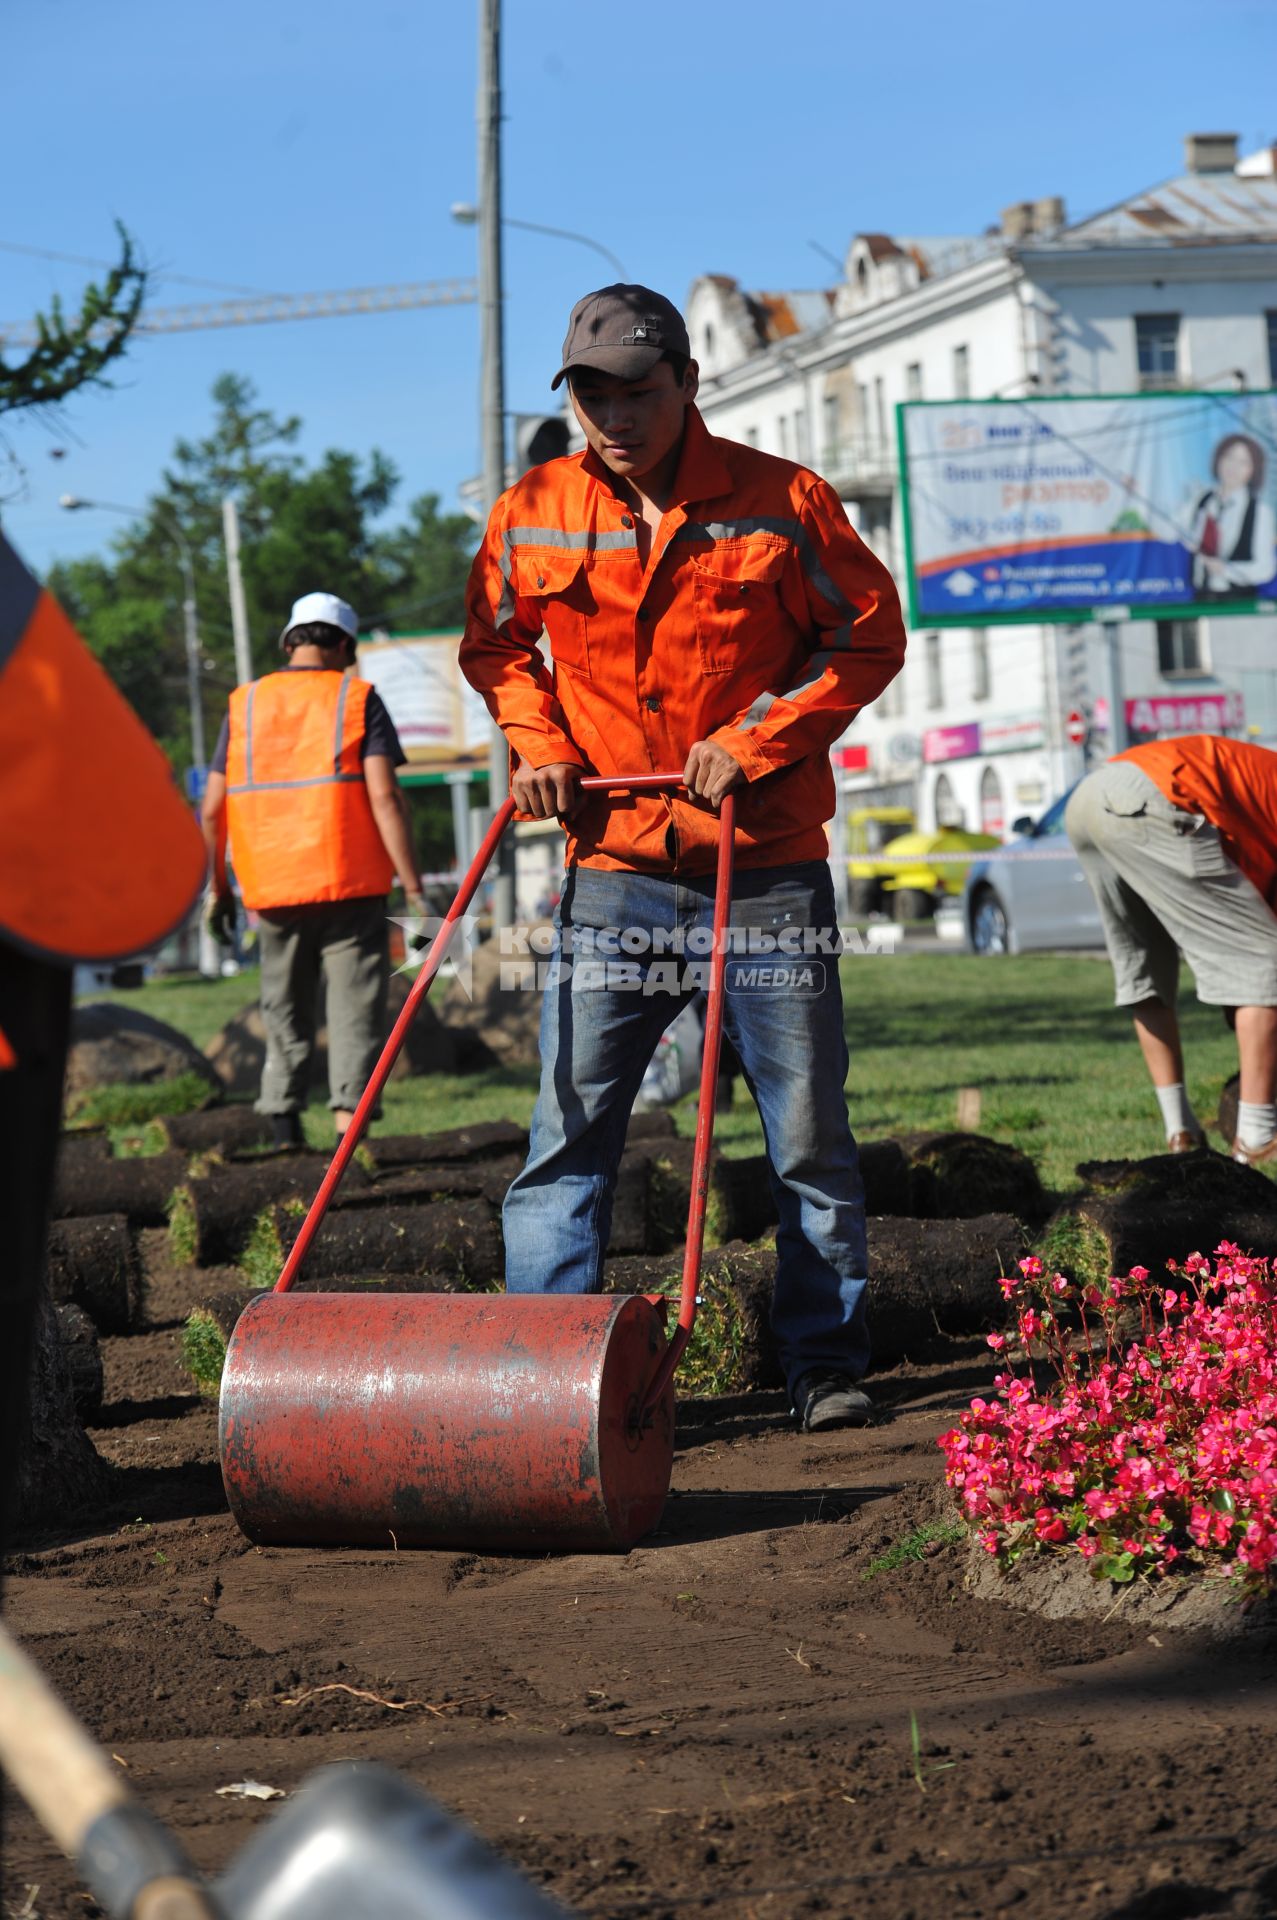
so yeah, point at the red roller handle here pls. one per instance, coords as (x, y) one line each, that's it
(420, 988)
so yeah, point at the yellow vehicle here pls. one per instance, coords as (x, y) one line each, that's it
(889, 870)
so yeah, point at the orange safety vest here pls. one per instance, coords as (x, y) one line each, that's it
(100, 856)
(300, 822)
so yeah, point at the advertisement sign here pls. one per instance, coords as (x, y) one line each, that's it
(1160, 504)
(1009, 736)
(950, 743)
(440, 719)
(1179, 713)
(851, 759)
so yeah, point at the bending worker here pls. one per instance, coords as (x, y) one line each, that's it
(1179, 842)
(709, 610)
(303, 780)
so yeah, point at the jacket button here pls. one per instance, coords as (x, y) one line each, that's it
(626, 521)
(653, 703)
(643, 613)
(540, 579)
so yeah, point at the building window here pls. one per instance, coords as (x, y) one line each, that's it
(961, 373)
(992, 811)
(913, 380)
(979, 664)
(1272, 348)
(948, 812)
(1157, 350)
(709, 339)
(751, 436)
(880, 408)
(782, 433)
(935, 679)
(862, 408)
(1180, 652)
(801, 449)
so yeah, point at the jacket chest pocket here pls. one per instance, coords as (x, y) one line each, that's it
(558, 585)
(735, 592)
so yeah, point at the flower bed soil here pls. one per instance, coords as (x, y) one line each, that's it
(720, 1722)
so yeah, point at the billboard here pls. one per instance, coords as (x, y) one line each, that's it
(440, 719)
(1150, 505)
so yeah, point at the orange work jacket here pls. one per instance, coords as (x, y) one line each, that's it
(1232, 782)
(100, 857)
(761, 622)
(298, 816)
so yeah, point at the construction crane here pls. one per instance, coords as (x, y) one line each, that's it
(265, 309)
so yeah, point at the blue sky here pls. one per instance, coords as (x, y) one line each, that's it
(293, 147)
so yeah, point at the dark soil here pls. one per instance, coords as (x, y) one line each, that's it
(720, 1722)
(765, 1710)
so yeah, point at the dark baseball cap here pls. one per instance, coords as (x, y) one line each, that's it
(622, 330)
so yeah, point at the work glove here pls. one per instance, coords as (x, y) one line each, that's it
(417, 937)
(219, 917)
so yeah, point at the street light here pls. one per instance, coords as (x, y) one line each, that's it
(168, 523)
(468, 216)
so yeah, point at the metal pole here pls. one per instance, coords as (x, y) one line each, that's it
(235, 581)
(1119, 738)
(492, 383)
(459, 783)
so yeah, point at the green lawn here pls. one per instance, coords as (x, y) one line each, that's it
(1058, 1069)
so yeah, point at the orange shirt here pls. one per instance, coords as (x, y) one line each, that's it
(1233, 783)
(761, 622)
(99, 854)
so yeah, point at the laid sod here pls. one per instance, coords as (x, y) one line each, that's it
(1057, 1067)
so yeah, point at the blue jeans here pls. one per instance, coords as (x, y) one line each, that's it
(630, 951)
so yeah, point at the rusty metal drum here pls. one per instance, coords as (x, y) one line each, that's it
(491, 1421)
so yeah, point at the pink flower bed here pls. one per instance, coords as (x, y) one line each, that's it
(1136, 1421)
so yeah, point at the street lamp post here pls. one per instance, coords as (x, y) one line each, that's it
(492, 386)
(467, 216)
(73, 503)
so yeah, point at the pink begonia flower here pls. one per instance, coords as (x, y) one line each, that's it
(996, 1340)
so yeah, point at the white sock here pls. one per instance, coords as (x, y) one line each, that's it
(1256, 1125)
(1177, 1115)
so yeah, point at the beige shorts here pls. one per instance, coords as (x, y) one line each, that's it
(1165, 886)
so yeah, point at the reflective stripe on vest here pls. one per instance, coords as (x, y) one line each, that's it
(300, 822)
(100, 856)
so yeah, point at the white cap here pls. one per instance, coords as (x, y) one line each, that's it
(325, 608)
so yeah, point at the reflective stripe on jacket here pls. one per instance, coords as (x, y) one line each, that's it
(761, 622)
(1233, 783)
(298, 815)
(100, 856)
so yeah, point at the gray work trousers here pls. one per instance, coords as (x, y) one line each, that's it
(347, 942)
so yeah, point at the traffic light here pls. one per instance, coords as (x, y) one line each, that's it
(539, 437)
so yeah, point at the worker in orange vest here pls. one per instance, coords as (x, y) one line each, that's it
(303, 784)
(1178, 839)
(68, 892)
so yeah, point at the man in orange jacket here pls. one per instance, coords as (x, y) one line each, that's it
(303, 782)
(708, 610)
(1178, 839)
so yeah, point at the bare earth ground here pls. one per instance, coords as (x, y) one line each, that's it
(719, 1722)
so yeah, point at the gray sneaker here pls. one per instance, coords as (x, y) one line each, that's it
(826, 1400)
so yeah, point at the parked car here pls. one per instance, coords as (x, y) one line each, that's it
(1031, 893)
(892, 868)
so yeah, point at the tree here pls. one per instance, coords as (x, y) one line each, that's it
(70, 354)
(302, 527)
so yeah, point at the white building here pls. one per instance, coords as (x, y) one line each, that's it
(1175, 287)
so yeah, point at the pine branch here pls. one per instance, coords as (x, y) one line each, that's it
(70, 354)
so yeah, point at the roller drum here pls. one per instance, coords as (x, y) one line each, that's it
(492, 1421)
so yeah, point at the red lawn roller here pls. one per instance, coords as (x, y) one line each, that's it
(529, 1422)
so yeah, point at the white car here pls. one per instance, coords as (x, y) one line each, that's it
(1031, 894)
